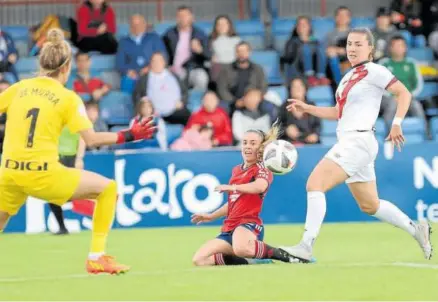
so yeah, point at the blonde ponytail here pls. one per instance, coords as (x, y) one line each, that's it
(55, 54)
(273, 134)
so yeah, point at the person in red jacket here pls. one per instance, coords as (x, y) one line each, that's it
(96, 27)
(211, 113)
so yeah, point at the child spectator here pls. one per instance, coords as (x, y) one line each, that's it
(85, 83)
(96, 27)
(302, 50)
(251, 116)
(210, 112)
(196, 138)
(145, 109)
(299, 128)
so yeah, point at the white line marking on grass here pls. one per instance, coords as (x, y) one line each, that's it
(218, 269)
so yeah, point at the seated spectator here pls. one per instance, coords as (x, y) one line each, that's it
(198, 137)
(223, 42)
(135, 51)
(96, 27)
(406, 71)
(251, 116)
(430, 22)
(237, 78)
(146, 109)
(383, 32)
(3, 86)
(210, 112)
(8, 57)
(302, 52)
(406, 17)
(99, 125)
(299, 128)
(337, 41)
(163, 88)
(85, 83)
(188, 50)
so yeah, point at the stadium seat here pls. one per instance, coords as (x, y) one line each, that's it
(422, 55)
(328, 132)
(429, 90)
(432, 112)
(251, 31)
(161, 28)
(270, 61)
(414, 130)
(100, 63)
(281, 91)
(206, 26)
(173, 132)
(322, 27)
(116, 108)
(195, 100)
(122, 30)
(112, 78)
(27, 65)
(369, 22)
(86, 97)
(434, 128)
(17, 32)
(321, 95)
(281, 31)
(381, 131)
(22, 48)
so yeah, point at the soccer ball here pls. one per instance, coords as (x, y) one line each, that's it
(280, 157)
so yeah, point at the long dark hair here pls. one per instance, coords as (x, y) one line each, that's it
(231, 31)
(295, 30)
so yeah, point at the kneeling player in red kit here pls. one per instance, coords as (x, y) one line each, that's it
(241, 240)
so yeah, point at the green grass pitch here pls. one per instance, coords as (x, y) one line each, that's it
(355, 262)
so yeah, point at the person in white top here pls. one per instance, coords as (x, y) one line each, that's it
(351, 159)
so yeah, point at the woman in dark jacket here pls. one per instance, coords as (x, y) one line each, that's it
(302, 51)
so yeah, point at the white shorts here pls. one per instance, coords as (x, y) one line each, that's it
(356, 152)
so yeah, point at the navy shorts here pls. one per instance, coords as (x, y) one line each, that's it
(258, 230)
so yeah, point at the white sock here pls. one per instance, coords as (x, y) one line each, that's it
(389, 213)
(316, 208)
(94, 256)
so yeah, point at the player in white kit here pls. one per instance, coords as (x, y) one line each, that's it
(351, 159)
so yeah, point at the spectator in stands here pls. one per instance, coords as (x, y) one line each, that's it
(383, 32)
(135, 51)
(406, 71)
(8, 57)
(223, 42)
(337, 40)
(86, 83)
(3, 86)
(210, 112)
(302, 52)
(96, 27)
(144, 109)
(299, 128)
(406, 17)
(188, 50)
(99, 125)
(163, 88)
(251, 116)
(198, 137)
(430, 22)
(237, 78)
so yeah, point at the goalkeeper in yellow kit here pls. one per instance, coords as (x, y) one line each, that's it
(38, 109)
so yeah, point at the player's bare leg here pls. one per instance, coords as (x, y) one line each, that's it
(4, 218)
(104, 190)
(212, 252)
(326, 175)
(246, 245)
(368, 200)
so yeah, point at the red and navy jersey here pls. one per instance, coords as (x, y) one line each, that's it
(246, 208)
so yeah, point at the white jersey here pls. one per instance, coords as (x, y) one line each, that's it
(359, 96)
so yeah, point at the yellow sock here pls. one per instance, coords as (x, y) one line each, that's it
(103, 218)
